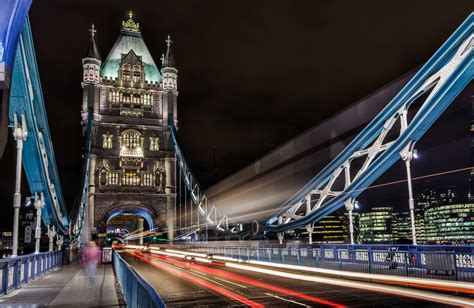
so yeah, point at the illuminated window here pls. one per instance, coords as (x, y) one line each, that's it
(147, 99)
(131, 143)
(112, 178)
(154, 143)
(136, 99)
(147, 179)
(131, 178)
(126, 74)
(107, 141)
(126, 97)
(137, 73)
(114, 96)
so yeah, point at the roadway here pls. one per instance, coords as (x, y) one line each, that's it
(181, 282)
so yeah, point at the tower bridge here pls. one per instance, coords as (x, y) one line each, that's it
(135, 171)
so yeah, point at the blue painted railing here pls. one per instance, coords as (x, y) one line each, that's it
(421, 261)
(136, 291)
(15, 272)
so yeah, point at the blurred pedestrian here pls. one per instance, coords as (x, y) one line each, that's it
(90, 259)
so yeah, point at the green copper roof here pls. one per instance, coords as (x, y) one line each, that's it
(130, 40)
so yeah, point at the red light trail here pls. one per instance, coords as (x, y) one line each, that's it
(245, 280)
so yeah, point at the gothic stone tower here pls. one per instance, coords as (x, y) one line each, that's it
(132, 160)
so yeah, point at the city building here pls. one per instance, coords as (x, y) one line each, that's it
(376, 226)
(332, 228)
(6, 243)
(402, 227)
(131, 102)
(450, 224)
(27, 230)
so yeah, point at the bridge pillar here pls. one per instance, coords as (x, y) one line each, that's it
(19, 135)
(39, 204)
(350, 204)
(91, 195)
(51, 233)
(407, 155)
(170, 189)
(140, 227)
(309, 228)
(281, 236)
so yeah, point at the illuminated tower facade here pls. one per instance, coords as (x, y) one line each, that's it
(132, 161)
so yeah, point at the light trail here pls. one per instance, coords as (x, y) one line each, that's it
(249, 281)
(440, 298)
(451, 286)
(200, 282)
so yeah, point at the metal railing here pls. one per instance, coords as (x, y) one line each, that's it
(15, 272)
(136, 291)
(435, 262)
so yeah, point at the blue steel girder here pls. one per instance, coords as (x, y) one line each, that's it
(26, 98)
(438, 82)
(12, 18)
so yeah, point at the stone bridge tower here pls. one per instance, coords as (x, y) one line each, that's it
(132, 166)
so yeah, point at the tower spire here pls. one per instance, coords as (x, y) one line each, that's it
(92, 50)
(168, 60)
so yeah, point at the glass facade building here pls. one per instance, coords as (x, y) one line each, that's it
(376, 226)
(450, 224)
(331, 229)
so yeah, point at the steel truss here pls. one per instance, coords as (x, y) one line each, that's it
(388, 137)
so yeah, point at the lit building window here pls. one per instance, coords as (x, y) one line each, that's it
(114, 96)
(107, 141)
(131, 178)
(154, 143)
(126, 74)
(137, 73)
(147, 179)
(131, 143)
(136, 99)
(113, 177)
(147, 99)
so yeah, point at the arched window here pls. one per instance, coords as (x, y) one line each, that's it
(131, 143)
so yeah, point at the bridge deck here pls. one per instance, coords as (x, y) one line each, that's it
(67, 286)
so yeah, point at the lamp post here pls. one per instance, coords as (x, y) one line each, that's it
(407, 154)
(51, 234)
(19, 135)
(350, 205)
(39, 204)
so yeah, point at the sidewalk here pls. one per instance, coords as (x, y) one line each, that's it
(67, 286)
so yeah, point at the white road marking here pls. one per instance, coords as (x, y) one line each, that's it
(287, 300)
(231, 282)
(197, 272)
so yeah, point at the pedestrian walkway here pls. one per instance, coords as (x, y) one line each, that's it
(68, 286)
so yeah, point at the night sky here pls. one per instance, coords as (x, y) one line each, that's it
(251, 74)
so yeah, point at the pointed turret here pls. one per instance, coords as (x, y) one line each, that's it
(168, 69)
(92, 50)
(91, 75)
(170, 84)
(91, 63)
(168, 60)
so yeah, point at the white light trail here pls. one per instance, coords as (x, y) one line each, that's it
(440, 298)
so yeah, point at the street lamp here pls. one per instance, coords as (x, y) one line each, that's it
(19, 135)
(407, 154)
(350, 205)
(39, 204)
